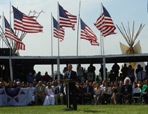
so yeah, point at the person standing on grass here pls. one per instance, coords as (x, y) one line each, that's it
(116, 69)
(46, 77)
(72, 76)
(91, 73)
(80, 72)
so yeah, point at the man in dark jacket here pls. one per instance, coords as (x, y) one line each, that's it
(59, 92)
(87, 92)
(71, 75)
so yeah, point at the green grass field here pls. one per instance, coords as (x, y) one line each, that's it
(82, 109)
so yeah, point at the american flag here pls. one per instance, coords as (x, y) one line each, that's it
(88, 34)
(25, 23)
(105, 24)
(94, 42)
(66, 19)
(9, 33)
(58, 33)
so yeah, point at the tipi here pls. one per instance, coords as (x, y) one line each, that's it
(130, 37)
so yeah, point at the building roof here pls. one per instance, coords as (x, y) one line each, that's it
(96, 59)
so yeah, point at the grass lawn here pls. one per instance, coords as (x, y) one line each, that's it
(82, 109)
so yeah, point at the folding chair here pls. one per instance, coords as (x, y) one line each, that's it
(136, 95)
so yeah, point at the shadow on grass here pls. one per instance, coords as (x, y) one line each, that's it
(93, 111)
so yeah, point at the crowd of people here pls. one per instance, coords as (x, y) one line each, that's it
(122, 86)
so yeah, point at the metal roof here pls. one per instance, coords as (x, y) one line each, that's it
(77, 59)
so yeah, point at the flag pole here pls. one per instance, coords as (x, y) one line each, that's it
(147, 6)
(51, 35)
(10, 59)
(3, 28)
(58, 59)
(101, 44)
(103, 53)
(104, 61)
(17, 34)
(78, 29)
(101, 39)
(10, 14)
(10, 65)
(10, 23)
(3, 34)
(52, 70)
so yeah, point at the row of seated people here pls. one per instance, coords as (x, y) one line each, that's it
(99, 92)
(117, 93)
(121, 92)
(52, 93)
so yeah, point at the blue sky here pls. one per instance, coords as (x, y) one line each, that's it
(120, 10)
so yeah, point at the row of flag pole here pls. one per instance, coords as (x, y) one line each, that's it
(22, 23)
(28, 24)
(65, 19)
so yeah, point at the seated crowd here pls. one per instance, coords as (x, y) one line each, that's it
(47, 91)
(54, 92)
